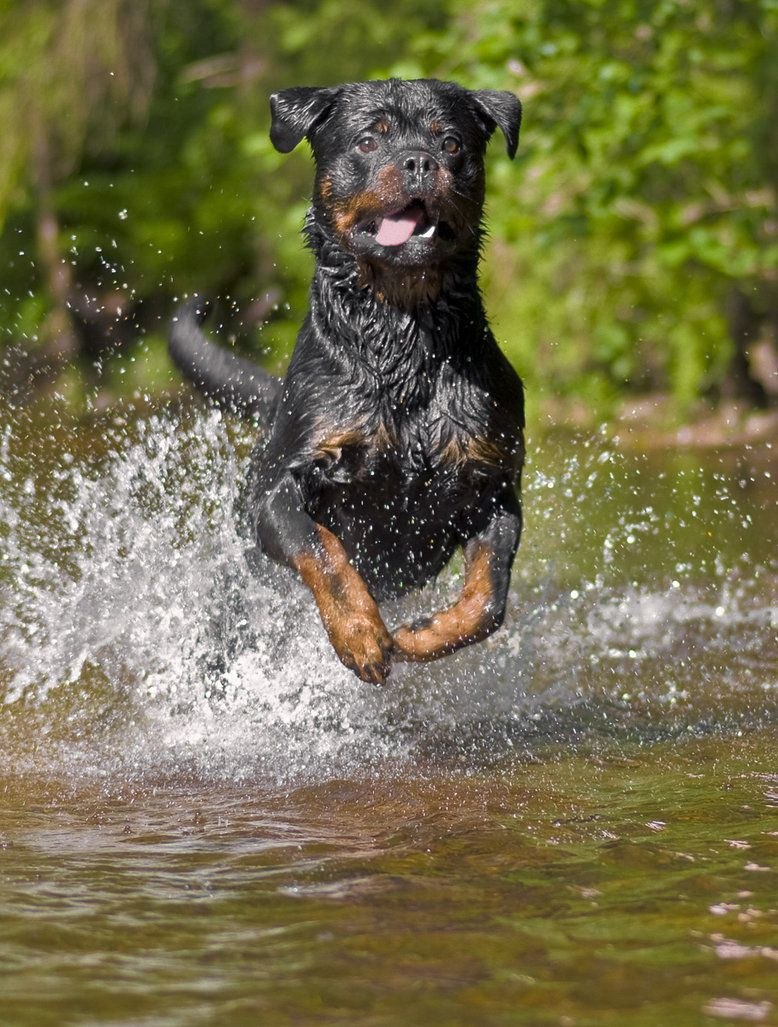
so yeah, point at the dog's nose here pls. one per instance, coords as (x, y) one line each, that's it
(418, 167)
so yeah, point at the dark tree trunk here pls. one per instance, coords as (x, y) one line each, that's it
(744, 326)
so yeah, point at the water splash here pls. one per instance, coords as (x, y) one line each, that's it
(134, 639)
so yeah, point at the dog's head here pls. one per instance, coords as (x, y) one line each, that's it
(399, 165)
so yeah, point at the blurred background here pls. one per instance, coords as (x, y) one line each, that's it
(633, 245)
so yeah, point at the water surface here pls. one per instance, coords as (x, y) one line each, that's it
(205, 819)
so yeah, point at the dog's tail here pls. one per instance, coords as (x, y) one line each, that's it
(229, 380)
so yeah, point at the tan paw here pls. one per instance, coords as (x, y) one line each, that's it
(413, 644)
(364, 645)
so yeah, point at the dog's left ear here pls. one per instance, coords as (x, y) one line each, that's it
(499, 109)
(296, 112)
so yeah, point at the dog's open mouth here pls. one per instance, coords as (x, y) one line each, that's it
(398, 227)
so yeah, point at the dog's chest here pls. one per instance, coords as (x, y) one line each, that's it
(419, 443)
(399, 456)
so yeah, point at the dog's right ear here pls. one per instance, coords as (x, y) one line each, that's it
(296, 112)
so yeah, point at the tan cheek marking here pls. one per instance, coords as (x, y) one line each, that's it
(390, 182)
(347, 213)
(386, 194)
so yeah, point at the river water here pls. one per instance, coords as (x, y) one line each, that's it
(205, 819)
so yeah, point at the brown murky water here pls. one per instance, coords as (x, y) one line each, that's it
(205, 820)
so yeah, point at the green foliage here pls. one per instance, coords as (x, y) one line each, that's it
(647, 186)
(643, 193)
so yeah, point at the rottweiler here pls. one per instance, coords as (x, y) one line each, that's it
(396, 436)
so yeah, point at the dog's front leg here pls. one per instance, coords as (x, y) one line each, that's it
(480, 609)
(348, 611)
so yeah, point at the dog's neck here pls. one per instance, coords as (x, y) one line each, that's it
(400, 322)
(405, 289)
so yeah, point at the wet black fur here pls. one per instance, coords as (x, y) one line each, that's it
(410, 377)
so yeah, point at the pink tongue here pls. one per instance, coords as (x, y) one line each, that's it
(395, 229)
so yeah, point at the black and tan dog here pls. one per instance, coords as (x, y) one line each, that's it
(396, 435)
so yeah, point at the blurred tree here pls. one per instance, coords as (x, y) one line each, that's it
(192, 195)
(74, 71)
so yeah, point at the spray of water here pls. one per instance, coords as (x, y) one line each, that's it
(135, 640)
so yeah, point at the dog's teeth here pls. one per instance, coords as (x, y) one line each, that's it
(428, 232)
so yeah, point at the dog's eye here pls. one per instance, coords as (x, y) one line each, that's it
(451, 145)
(367, 144)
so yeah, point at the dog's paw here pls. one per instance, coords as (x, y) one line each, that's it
(408, 641)
(411, 641)
(363, 645)
(424, 639)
